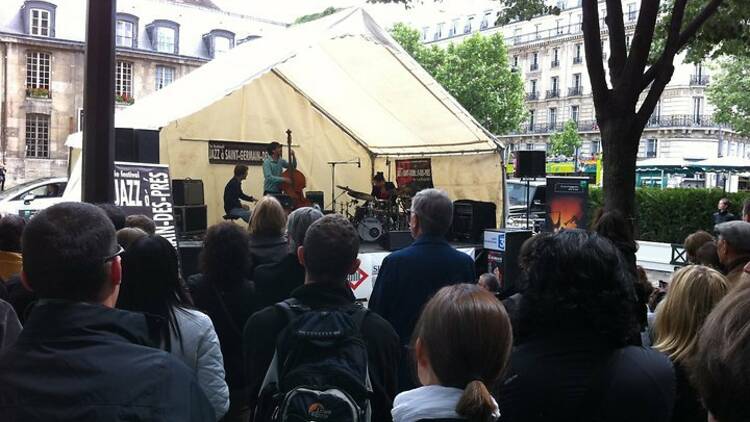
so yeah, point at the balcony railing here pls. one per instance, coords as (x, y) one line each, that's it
(531, 96)
(672, 121)
(575, 91)
(699, 80)
(555, 63)
(533, 67)
(553, 93)
(578, 60)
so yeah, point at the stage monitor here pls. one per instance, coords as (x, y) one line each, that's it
(531, 164)
(187, 192)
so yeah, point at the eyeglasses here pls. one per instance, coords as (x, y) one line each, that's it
(119, 252)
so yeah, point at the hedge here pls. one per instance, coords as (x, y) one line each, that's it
(669, 215)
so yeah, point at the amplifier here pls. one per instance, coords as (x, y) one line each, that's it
(471, 218)
(395, 240)
(187, 192)
(190, 219)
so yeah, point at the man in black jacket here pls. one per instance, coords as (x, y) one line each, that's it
(329, 254)
(78, 359)
(233, 193)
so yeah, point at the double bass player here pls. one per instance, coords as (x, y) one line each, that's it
(273, 166)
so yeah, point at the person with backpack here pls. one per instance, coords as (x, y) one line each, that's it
(320, 354)
(462, 343)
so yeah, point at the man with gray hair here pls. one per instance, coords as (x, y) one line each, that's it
(409, 277)
(733, 247)
(275, 281)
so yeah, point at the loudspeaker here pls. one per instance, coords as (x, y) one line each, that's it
(470, 218)
(316, 197)
(503, 249)
(395, 240)
(186, 192)
(189, 257)
(137, 146)
(531, 164)
(190, 219)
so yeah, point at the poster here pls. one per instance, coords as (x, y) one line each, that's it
(567, 203)
(147, 189)
(416, 173)
(248, 153)
(363, 280)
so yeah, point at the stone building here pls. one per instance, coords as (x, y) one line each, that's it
(42, 66)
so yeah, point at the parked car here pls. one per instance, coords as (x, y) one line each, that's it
(28, 198)
(537, 197)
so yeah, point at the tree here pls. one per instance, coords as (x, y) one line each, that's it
(476, 72)
(313, 16)
(729, 94)
(566, 143)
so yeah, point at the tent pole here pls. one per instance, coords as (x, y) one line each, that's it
(99, 104)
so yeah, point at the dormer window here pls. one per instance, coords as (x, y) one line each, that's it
(127, 31)
(164, 35)
(39, 18)
(218, 41)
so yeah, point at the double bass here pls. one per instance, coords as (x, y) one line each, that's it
(294, 189)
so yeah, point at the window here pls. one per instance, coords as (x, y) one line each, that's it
(486, 20)
(574, 113)
(555, 57)
(697, 109)
(123, 82)
(37, 74)
(552, 118)
(595, 147)
(534, 61)
(125, 33)
(40, 22)
(627, 43)
(529, 146)
(164, 35)
(651, 145)
(516, 35)
(515, 61)
(165, 40)
(439, 31)
(454, 28)
(555, 83)
(37, 136)
(577, 80)
(561, 4)
(469, 25)
(579, 25)
(164, 76)
(559, 27)
(221, 45)
(532, 119)
(425, 33)
(577, 58)
(533, 86)
(631, 12)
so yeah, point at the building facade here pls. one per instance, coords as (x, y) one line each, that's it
(548, 52)
(42, 53)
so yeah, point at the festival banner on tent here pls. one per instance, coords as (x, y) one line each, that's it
(416, 173)
(567, 203)
(248, 153)
(146, 189)
(362, 281)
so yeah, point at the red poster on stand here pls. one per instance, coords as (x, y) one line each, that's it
(567, 203)
(416, 174)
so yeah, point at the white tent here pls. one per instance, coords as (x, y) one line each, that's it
(344, 87)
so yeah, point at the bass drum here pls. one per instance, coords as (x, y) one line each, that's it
(370, 229)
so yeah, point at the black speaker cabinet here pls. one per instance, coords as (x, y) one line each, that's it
(316, 197)
(190, 219)
(471, 218)
(531, 164)
(187, 192)
(503, 247)
(189, 257)
(137, 146)
(395, 240)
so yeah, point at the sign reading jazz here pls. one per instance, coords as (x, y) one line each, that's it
(248, 153)
(146, 189)
(416, 174)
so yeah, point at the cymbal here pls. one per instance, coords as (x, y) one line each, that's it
(404, 190)
(360, 195)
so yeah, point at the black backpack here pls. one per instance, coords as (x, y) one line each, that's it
(320, 369)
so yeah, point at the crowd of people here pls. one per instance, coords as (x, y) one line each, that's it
(96, 323)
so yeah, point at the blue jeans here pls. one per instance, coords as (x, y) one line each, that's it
(241, 213)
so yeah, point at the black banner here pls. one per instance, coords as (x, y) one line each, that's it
(146, 189)
(248, 153)
(416, 174)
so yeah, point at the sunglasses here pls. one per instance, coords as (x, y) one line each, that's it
(119, 252)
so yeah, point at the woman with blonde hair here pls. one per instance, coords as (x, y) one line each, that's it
(268, 243)
(692, 294)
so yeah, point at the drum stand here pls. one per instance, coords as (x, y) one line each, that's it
(356, 161)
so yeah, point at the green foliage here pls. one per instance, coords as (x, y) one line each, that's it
(565, 142)
(313, 16)
(476, 72)
(728, 92)
(670, 215)
(522, 10)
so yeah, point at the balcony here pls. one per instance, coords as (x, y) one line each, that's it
(532, 96)
(578, 60)
(533, 67)
(555, 63)
(553, 93)
(575, 91)
(677, 121)
(699, 80)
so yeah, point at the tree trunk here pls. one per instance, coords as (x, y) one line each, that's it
(619, 148)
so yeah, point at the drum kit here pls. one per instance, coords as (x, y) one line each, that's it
(374, 217)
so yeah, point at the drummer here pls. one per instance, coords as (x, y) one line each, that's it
(381, 189)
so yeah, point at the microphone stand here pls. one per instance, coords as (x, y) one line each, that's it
(333, 164)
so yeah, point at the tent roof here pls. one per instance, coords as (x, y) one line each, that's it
(351, 70)
(657, 164)
(723, 163)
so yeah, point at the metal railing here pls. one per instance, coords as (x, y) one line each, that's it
(672, 121)
(699, 80)
(578, 60)
(575, 91)
(533, 67)
(555, 63)
(553, 93)
(532, 96)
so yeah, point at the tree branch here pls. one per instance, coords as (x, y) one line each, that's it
(593, 48)
(647, 108)
(641, 46)
(618, 49)
(649, 76)
(699, 20)
(673, 35)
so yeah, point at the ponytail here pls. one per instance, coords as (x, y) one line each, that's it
(477, 404)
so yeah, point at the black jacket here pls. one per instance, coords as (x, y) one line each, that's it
(722, 217)
(687, 405)
(232, 195)
(275, 281)
(263, 327)
(83, 362)
(573, 377)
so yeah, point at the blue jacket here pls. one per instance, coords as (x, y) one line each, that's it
(408, 278)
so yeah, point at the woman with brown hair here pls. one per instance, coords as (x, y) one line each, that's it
(268, 243)
(462, 342)
(692, 294)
